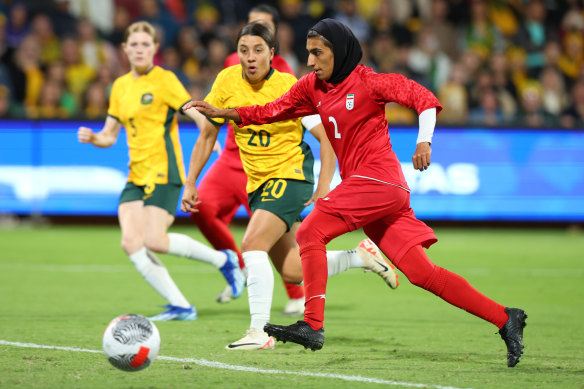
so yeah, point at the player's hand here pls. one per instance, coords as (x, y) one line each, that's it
(217, 147)
(84, 135)
(203, 107)
(421, 158)
(190, 200)
(318, 193)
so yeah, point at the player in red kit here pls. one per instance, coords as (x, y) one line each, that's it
(222, 190)
(373, 195)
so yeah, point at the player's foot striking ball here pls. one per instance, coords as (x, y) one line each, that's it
(512, 334)
(299, 332)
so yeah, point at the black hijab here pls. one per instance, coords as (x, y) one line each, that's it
(346, 48)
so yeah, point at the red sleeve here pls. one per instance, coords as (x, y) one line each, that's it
(280, 64)
(232, 59)
(399, 89)
(294, 103)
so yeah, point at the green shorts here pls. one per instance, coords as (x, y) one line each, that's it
(163, 196)
(284, 198)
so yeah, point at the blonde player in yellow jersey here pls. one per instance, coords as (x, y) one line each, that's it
(279, 168)
(145, 101)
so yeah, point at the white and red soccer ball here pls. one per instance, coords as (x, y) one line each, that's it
(131, 342)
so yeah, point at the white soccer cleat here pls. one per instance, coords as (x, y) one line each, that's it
(294, 307)
(374, 261)
(225, 296)
(254, 339)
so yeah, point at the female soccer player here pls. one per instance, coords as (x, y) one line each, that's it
(280, 182)
(222, 188)
(374, 195)
(145, 101)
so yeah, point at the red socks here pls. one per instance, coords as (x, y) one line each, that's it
(449, 286)
(315, 274)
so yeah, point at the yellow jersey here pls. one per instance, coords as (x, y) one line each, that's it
(146, 106)
(275, 150)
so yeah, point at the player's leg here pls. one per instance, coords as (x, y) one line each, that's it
(221, 192)
(401, 238)
(132, 221)
(160, 208)
(263, 231)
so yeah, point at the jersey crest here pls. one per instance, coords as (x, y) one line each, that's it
(350, 101)
(147, 98)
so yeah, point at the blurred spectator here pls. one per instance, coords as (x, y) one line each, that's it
(488, 112)
(573, 116)
(571, 60)
(554, 98)
(531, 112)
(5, 102)
(206, 21)
(171, 61)
(95, 52)
(532, 35)
(24, 68)
(56, 73)
(17, 26)
(426, 58)
(480, 35)
(291, 13)
(48, 105)
(78, 74)
(384, 23)
(347, 14)
(95, 102)
(42, 30)
(503, 86)
(151, 11)
(190, 52)
(63, 22)
(99, 13)
(286, 45)
(121, 21)
(454, 97)
(444, 31)
(502, 14)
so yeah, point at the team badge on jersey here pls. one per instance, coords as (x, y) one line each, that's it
(147, 98)
(350, 102)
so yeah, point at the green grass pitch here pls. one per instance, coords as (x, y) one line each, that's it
(61, 285)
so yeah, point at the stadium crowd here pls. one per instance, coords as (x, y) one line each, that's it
(490, 62)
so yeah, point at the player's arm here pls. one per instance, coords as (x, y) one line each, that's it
(199, 157)
(427, 122)
(105, 138)
(328, 159)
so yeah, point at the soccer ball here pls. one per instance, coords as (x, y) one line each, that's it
(131, 342)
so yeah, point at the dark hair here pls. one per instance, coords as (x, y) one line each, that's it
(258, 29)
(313, 34)
(268, 9)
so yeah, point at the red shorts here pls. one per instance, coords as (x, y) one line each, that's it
(223, 188)
(382, 210)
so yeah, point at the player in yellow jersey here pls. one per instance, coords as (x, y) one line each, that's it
(145, 101)
(279, 167)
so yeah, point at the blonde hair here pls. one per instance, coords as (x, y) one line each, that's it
(141, 27)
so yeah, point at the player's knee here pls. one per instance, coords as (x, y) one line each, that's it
(131, 244)
(156, 244)
(291, 278)
(305, 235)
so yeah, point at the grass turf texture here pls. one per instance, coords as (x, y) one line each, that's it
(60, 286)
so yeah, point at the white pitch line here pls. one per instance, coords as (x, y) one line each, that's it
(225, 366)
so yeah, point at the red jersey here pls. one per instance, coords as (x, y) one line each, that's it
(353, 115)
(231, 150)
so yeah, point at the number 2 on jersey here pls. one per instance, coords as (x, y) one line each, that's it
(334, 122)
